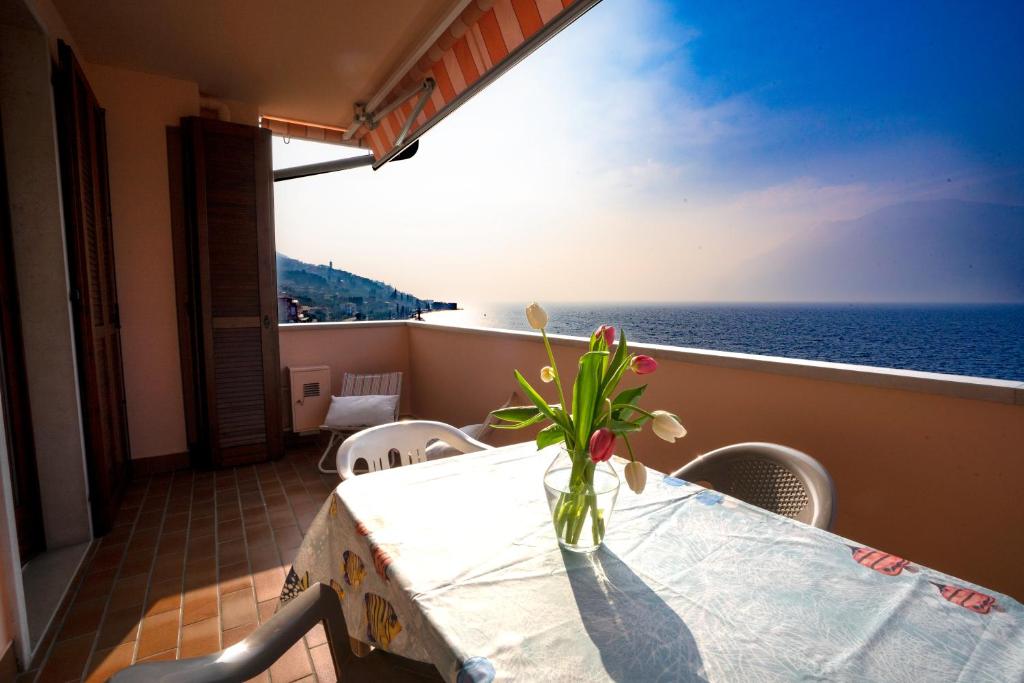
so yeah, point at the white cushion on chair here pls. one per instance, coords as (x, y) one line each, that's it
(356, 412)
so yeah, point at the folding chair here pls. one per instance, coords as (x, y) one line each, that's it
(384, 384)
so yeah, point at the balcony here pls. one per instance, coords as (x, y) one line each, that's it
(197, 559)
(906, 449)
(926, 466)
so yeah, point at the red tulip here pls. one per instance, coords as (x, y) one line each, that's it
(601, 443)
(608, 332)
(643, 365)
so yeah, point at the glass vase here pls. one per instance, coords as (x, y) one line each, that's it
(581, 495)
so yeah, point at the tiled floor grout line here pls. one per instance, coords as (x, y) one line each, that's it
(152, 566)
(56, 628)
(180, 490)
(280, 555)
(94, 648)
(273, 541)
(245, 541)
(305, 488)
(288, 498)
(184, 566)
(216, 560)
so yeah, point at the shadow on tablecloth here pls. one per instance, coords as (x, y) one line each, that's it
(639, 636)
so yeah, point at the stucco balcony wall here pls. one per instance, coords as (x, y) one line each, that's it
(926, 466)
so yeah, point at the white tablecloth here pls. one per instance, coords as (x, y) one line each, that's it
(455, 562)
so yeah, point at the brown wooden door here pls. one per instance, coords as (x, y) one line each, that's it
(232, 200)
(17, 416)
(83, 156)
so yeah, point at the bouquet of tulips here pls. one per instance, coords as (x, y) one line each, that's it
(590, 427)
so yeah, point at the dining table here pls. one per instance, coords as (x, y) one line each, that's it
(455, 562)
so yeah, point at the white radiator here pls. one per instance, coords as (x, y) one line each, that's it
(311, 396)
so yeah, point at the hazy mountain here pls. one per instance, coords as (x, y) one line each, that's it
(326, 293)
(938, 251)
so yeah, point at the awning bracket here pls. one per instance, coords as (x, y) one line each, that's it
(428, 88)
(371, 120)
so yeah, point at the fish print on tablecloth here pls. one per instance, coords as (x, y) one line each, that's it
(883, 563)
(708, 497)
(381, 562)
(334, 505)
(674, 482)
(293, 585)
(382, 624)
(476, 670)
(361, 529)
(353, 569)
(968, 598)
(339, 589)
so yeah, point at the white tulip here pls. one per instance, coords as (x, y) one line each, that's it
(547, 374)
(636, 476)
(536, 316)
(666, 426)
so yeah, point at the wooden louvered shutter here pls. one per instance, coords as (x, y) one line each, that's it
(236, 288)
(90, 246)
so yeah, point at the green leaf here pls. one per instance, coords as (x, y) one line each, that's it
(611, 379)
(550, 435)
(624, 426)
(625, 398)
(618, 366)
(537, 399)
(621, 351)
(537, 417)
(515, 413)
(584, 393)
(562, 419)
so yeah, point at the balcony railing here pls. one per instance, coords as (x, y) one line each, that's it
(926, 466)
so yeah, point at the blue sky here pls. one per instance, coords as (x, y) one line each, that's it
(672, 143)
(854, 78)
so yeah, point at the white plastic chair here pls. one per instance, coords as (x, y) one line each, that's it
(405, 442)
(385, 384)
(777, 478)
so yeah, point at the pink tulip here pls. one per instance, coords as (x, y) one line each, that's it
(608, 332)
(643, 365)
(601, 443)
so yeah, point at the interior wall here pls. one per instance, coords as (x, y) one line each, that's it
(26, 101)
(139, 107)
(932, 478)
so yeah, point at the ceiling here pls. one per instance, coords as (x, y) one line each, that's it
(308, 61)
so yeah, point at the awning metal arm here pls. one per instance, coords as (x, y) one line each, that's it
(421, 49)
(322, 167)
(569, 15)
(428, 88)
(371, 119)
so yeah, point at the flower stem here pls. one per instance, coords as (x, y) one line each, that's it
(554, 366)
(629, 448)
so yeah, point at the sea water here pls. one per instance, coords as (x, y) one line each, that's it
(959, 339)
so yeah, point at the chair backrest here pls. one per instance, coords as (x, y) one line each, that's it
(260, 649)
(381, 384)
(268, 643)
(773, 477)
(399, 443)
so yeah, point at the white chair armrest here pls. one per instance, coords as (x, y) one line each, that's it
(344, 461)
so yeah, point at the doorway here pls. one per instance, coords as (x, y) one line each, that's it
(17, 416)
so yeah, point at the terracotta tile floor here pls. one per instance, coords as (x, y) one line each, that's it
(195, 562)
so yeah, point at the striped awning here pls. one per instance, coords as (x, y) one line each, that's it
(486, 39)
(302, 130)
